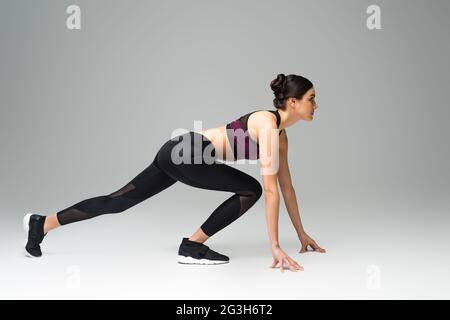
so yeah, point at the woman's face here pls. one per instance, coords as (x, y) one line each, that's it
(306, 106)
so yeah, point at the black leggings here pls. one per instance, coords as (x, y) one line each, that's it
(192, 162)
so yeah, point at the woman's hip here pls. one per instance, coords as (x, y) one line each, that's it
(187, 148)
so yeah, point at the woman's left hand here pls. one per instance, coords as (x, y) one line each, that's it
(308, 241)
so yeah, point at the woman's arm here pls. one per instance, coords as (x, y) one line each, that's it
(268, 155)
(272, 204)
(284, 179)
(290, 197)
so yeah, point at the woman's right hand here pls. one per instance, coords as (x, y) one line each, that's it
(279, 257)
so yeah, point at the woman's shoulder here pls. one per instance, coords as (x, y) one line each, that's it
(262, 117)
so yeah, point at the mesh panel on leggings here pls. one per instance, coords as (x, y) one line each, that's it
(247, 199)
(123, 190)
(102, 204)
(73, 215)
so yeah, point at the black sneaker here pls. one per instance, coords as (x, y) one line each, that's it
(192, 252)
(34, 228)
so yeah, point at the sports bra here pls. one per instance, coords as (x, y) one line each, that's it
(237, 132)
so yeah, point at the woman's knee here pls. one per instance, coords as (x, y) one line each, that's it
(118, 204)
(254, 190)
(257, 190)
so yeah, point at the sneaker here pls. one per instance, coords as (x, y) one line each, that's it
(34, 228)
(192, 252)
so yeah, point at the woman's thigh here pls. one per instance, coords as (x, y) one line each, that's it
(209, 174)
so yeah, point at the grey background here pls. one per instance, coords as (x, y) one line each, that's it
(84, 111)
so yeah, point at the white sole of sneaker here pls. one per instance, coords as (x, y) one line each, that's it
(26, 227)
(190, 260)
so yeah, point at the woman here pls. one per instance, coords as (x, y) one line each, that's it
(192, 159)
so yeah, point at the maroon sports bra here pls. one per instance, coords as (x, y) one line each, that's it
(239, 127)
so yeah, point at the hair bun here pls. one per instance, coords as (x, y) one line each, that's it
(286, 86)
(277, 84)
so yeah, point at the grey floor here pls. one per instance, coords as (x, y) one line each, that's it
(372, 254)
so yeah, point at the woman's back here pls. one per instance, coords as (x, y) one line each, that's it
(226, 136)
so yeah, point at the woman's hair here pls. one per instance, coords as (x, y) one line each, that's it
(285, 87)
